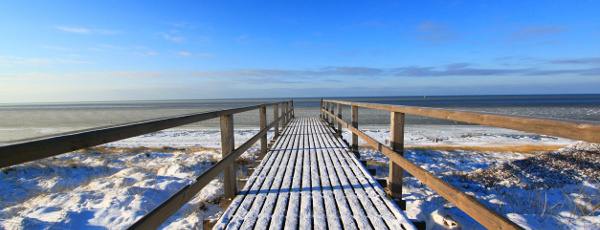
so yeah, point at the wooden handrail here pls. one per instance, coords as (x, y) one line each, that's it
(482, 214)
(571, 129)
(161, 213)
(578, 130)
(35, 149)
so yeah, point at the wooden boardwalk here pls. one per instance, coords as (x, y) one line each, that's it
(310, 180)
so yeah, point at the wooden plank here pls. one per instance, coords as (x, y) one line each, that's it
(571, 129)
(332, 215)
(279, 214)
(292, 217)
(364, 199)
(333, 191)
(264, 204)
(478, 211)
(392, 207)
(320, 222)
(269, 169)
(306, 209)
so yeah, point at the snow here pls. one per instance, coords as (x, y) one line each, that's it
(111, 186)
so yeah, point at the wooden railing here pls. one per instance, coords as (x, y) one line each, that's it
(577, 130)
(34, 149)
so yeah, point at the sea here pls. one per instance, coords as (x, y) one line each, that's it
(32, 120)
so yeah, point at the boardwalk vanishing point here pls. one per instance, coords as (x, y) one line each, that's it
(310, 179)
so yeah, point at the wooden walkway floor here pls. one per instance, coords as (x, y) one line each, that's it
(310, 180)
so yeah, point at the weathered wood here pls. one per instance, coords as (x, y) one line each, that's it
(339, 125)
(307, 187)
(162, 212)
(276, 114)
(571, 129)
(355, 125)
(284, 121)
(227, 147)
(332, 111)
(38, 148)
(482, 214)
(397, 143)
(263, 124)
(322, 107)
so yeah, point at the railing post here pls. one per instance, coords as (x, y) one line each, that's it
(293, 110)
(397, 143)
(263, 125)
(354, 136)
(283, 122)
(331, 124)
(275, 116)
(227, 146)
(339, 131)
(287, 109)
(322, 106)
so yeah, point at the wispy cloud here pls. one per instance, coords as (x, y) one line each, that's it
(188, 54)
(533, 32)
(577, 61)
(73, 30)
(173, 38)
(435, 32)
(11, 61)
(81, 30)
(56, 48)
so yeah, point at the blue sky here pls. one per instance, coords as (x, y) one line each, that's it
(148, 50)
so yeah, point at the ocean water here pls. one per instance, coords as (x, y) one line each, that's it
(20, 121)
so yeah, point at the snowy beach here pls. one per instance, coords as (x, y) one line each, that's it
(112, 185)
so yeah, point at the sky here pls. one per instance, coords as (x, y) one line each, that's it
(52, 51)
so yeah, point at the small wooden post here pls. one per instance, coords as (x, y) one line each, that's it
(283, 122)
(287, 109)
(263, 125)
(322, 106)
(354, 136)
(293, 111)
(332, 111)
(397, 144)
(275, 116)
(227, 146)
(339, 131)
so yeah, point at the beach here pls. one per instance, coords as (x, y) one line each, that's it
(111, 185)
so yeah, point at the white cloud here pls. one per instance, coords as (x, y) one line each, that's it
(174, 38)
(73, 29)
(80, 30)
(188, 54)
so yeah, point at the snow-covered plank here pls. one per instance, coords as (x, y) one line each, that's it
(320, 222)
(305, 192)
(332, 215)
(260, 215)
(372, 213)
(291, 221)
(284, 192)
(234, 221)
(389, 211)
(342, 193)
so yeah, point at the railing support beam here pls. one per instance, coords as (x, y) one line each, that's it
(263, 124)
(339, 115)
(397, 143)
(354, 136)
(275, 116)
(227, 146)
